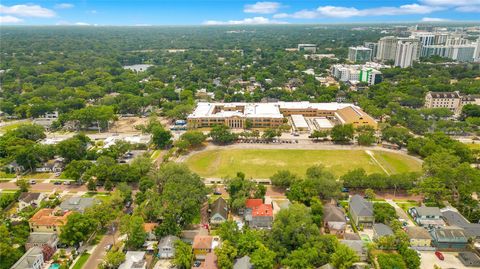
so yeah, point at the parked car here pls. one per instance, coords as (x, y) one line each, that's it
(57, 183)
(439, 255)
(108, 247)
(128, 204)
(67, 183)
(197, 264)
(32, 182)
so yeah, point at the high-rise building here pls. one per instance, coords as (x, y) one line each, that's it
(455, 40)
(368, 72)
(426, 38)
(373, 46)
(461, 53)
(477, 51)
(359, 54)
(370, 75)
(387, 47)
(407, 52)
(441, 38)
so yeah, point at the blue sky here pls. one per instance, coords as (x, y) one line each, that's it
(231, 12)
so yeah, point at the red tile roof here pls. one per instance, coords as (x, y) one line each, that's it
(263, 210)
(202, 242)
(251, 203)
(149, 226)
(49, 217)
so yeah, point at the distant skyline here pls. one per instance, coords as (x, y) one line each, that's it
(232, 12)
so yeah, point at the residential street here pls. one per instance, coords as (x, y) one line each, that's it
(99, 252)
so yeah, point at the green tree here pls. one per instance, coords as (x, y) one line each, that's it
(77, 229)
(342, 133)
(32, 132)
(317, 210)
(183, 255)
(262, 257)
(226, 253)
(370, 194)
(384, 212)
(22, 184)
(283, 178)
(113, 259)
(411, 258)
(221, 134)
(8, 253)
(292, 228)
(194, 138)
(319, 134)
(161, 137)
(344, 257)
(132, 226)
(74, 148)
(75, 169)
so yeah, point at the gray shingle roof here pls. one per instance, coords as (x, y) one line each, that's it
(77, 203)
(242, 263)
(27, 197)
(361, 206)
(428, 211)
(415, 232)
(333, 213)
(219, 207)
(382, 229)
(454, 218)
(41, 238)
(167, 241)
(450, 234)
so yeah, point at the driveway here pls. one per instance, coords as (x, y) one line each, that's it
(401, 214)
(428, 260)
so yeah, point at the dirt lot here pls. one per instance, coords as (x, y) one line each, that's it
(127, 124)
(429, 260)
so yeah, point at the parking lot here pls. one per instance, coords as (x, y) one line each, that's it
(429, 259)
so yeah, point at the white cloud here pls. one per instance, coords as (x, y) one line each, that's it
(246, 21)
(64, 6)
(450, 2)
(347, 12)
(28, 10)
(9, 19)
(82, 24)
(262, 7)
(428, 19)
(458, 5)
(472, 9)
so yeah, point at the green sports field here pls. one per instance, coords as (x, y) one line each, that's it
(263, 163)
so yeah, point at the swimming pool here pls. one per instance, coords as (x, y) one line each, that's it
(54, 266)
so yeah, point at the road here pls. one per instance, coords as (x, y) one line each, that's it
(46, 187)
(99, 252)
(402, 214)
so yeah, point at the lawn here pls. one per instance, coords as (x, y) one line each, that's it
(81, 261)
(265, 162)
(13, 125)
(474, 146)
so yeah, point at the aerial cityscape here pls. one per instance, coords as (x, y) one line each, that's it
(239, 134)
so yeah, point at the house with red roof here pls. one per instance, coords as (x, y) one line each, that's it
(257, 214)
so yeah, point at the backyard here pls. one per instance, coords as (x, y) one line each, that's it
(263, 163)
